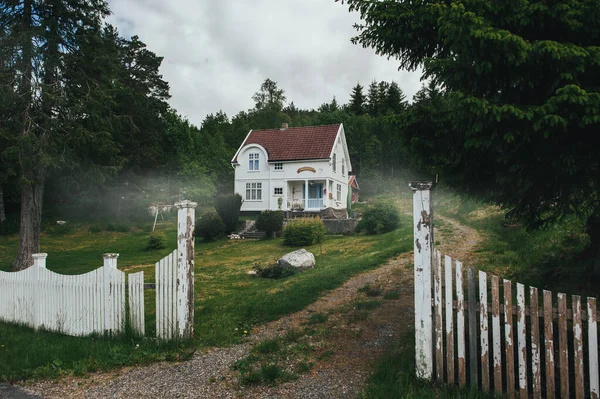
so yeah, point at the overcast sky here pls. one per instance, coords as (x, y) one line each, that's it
(218, 52)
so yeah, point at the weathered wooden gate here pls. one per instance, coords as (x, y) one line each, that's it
(495, 337)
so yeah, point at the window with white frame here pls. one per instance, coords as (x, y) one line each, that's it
(278, 166)
(278, 191)
(253, 161)
(253, 191)
(339, 192)
(343, 167)
(334, 162)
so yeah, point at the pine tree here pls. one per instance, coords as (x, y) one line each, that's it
(373, 99)
(357, 100)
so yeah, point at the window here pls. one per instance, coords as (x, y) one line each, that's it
(339, 192)
(253, 191)
(278, 191)
(253, 164)
(334, 162)
(343, 167)
(278, 166)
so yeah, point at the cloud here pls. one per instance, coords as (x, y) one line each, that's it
(217, 53)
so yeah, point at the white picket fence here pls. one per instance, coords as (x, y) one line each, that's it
(166, 297)
(74, 305)
(136, 302)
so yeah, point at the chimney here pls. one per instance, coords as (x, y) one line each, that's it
(284, 126)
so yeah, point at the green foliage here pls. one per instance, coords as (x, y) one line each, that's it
(301, 232)
(506, 130)
(379, 218)
(209, 226)
(63, 229)
(117, 226)
(156, 241)
(228, 207)
(95, 228)
(272, 270)
(270, 222)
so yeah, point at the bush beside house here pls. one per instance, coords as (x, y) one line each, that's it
(301, 232)
(270, 222)
(209, 226)
(379, 218)
(228, 207)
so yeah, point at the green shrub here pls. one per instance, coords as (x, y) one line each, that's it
(228, 207)
(156, 241)
(270, 222)
(300, 232)
(95, 228)
(63, 229)
(116, 226)
(379, 218)
(272, 270)
(209, 226)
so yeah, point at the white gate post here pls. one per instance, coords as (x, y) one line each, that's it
(423, 251)
(110, 262)
(39, 262)
(185, 268)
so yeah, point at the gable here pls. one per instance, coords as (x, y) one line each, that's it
(295, 143)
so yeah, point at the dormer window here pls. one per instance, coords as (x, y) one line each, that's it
(334, 162)
(253, 161)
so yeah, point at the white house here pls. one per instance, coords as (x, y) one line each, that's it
(292, 168)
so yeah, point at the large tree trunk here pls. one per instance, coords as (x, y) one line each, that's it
(2, 213)
(32, 196)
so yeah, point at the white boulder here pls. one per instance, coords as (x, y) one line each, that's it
(298, 260)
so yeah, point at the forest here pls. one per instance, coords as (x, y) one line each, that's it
(86, 128)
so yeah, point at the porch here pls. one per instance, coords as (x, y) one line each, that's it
(308, 195)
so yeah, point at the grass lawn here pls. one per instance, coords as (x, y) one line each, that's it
(551, 258)
(228, 300)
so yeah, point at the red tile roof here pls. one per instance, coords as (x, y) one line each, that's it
(295, 143)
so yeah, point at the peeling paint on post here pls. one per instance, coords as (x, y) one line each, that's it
(185, 268)
(423, 251)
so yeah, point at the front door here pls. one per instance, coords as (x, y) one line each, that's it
(315, 196)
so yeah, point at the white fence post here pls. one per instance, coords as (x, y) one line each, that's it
(110, 263)
(185, 268)
(423, 251)
(39, 262)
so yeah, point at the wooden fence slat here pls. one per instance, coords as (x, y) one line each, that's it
(563, 350)
(497, 345)
(577, 346)
(522, 340)
(158, 300)
(549, 345)
(483, 327)
(439, 333)
(593, 348)
(460, 325)
(535, 343)
(509, 339)
(449, 322)
(472, 308)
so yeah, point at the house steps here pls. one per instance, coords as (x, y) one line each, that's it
(250, 231)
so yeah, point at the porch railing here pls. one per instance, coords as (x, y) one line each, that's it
(316, 203)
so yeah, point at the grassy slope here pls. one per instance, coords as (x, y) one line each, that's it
(228, 300)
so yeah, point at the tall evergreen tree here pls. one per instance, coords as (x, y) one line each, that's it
(373, 99)
(40, 35)
(357, 100)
